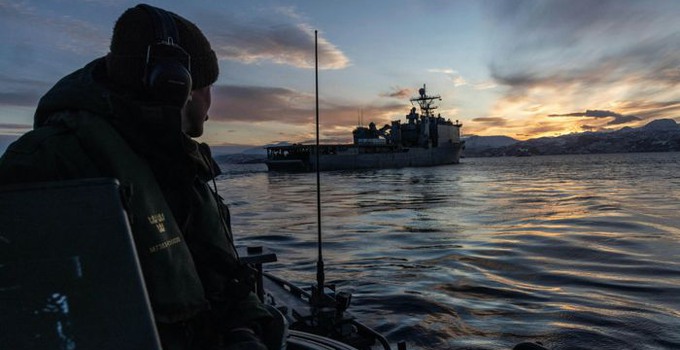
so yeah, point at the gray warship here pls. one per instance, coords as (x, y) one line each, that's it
(424, 140)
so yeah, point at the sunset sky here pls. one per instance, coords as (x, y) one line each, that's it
(518, 68)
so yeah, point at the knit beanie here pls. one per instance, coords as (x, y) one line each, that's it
(132, 35)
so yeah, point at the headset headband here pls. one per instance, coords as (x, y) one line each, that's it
(167, 73)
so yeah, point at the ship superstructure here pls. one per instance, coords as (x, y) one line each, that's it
(425, 139)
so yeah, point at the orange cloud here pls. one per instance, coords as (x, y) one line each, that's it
(400, 93)
(491, 121)
(289, 114)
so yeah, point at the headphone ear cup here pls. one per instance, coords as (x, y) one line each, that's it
(169, 82)
(167, 74)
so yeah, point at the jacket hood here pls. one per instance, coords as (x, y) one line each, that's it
(83, 89)
(153, 131)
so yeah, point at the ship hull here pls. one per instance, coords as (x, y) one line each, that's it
(356, 158)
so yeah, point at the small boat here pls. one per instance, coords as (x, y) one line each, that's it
(425, 139)
(70, 278)
(312, 317)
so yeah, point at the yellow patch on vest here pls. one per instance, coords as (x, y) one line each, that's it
(158, 220)
(165, 245)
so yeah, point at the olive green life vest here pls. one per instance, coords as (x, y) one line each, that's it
(171, 276)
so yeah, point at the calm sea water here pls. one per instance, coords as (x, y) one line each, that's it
(577, 252)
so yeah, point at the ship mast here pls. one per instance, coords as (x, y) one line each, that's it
(425, 102)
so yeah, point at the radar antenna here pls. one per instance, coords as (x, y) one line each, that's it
(426, 102)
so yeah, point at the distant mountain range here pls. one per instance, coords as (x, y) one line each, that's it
(483, 142)
(237, 149)
(662, 135)
(242, 154)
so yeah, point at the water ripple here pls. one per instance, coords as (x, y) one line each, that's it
(577, 252)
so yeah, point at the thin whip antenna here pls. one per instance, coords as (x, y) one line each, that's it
(319, 262)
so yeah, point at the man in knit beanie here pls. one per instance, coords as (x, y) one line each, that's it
(131, 115)
(132, 35)
(127, 63)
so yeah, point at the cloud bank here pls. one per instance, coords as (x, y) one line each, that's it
(561, 55)
(282, 39)
(257, 105)
(618, 118)
(399, 93)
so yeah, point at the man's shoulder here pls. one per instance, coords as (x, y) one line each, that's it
(36, 139)
(60, 130)
(50, 152)
(26, 160)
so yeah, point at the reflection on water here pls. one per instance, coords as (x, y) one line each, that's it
(572, 251)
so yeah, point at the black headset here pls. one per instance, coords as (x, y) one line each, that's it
(167, 73)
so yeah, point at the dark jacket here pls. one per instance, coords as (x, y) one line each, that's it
(84, 129)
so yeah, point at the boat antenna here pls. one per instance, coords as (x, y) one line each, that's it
(319, 262)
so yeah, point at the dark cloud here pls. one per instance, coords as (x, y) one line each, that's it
(11, 126)
(261, 104)
(496, 121)
(588, 113)
(618, 118)
(525, 79)
(519, 129)
(641, 104)
(635, 110)
(21, 92)
(400, 93)
(23, 99)
(23, 82)
(257, 104)
(648, 110)
(624, 119)
(544, 128)
(651, 60)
